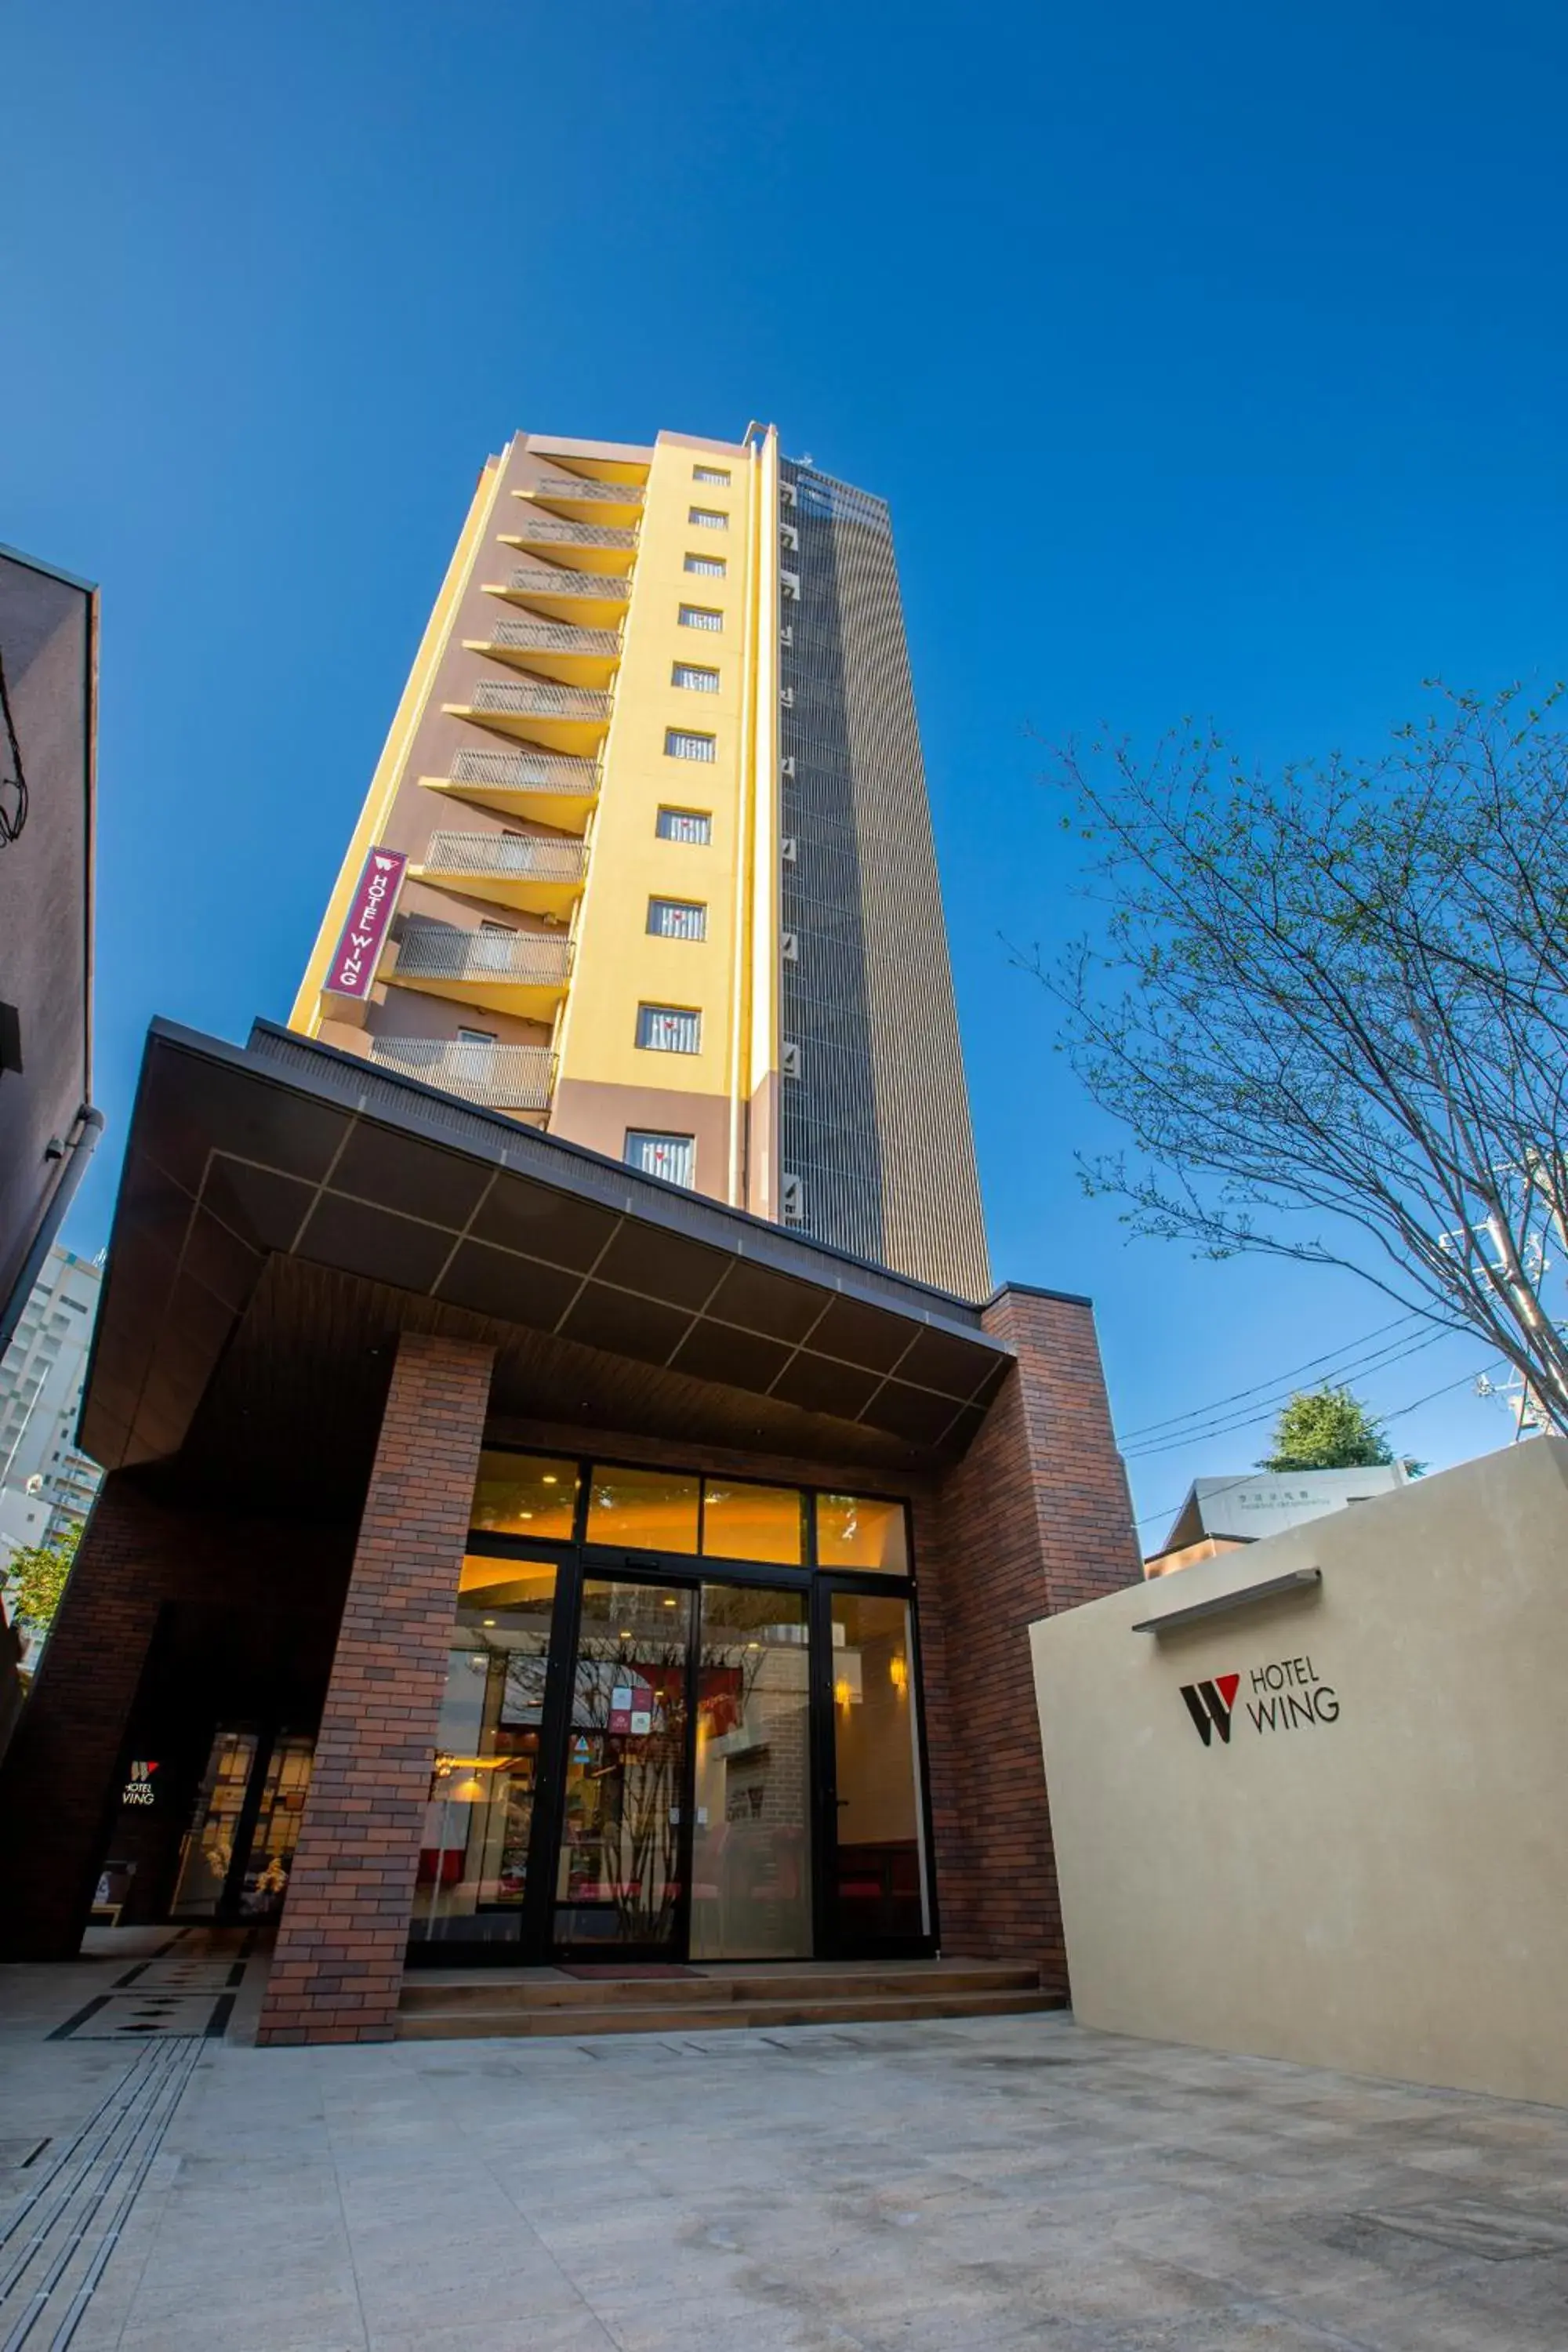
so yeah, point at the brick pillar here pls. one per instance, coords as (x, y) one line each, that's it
(57, 1789)
(337, 1968)
(1034, 1520)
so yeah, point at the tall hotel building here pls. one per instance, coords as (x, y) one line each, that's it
(662, 877)
(572, 1500)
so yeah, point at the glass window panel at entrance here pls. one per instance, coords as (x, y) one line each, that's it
(879, 1867)
(208, 1852)
(526, 1495)
(651, 1510)
(741, 1522)
(750, 1873)
(859, 1532)
(618, 1876)
(473, 1856)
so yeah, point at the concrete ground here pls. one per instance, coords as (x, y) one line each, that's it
(935, 2188)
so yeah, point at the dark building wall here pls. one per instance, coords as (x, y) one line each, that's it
(1035, 1519)
(876, 1126)
(60, 1781)
(48, 643)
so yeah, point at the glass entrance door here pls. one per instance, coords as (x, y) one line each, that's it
(874, 1881)
(622, 1877)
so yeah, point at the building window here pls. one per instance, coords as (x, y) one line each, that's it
(669, 1029)
(701, 616)
(678, 745)
(709, 567)
(673, 1156)
(707, 518)
(694, 826)
(694, 678)
(677, 919)
(712, 474)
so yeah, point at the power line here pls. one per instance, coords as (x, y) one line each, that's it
(1380, 1361)
(1398, 1414)
(1197, 1412)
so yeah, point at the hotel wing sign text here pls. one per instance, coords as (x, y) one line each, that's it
(363, 935)
(1287, 1694)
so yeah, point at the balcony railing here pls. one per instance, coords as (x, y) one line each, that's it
(555, 579)
(578, 534)
(553, 637)
(429, 952)
(524, 699)
(577, 490)
(499, 853)
(503, 1077)
(526, 772)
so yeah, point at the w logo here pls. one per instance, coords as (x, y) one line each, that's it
(1209, 1704)
(140, 1771)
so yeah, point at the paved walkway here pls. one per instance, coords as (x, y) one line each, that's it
(954, 2187)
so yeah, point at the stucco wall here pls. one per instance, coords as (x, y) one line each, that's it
(1376, 1878)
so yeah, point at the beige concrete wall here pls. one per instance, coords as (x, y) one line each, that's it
(1376, 1878)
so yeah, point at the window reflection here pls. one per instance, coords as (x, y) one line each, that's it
(751, 1871)
(618, 1880)
(741, 1522)
(526, 1495)
(473, 1856)
(856, 1531)
(880, 1869)
(653, 1510)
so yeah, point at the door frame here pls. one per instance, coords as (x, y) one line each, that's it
(830, 1942)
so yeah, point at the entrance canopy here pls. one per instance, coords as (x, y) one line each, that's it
(286, 1211)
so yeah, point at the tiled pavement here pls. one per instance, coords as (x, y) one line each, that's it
(992, 2183)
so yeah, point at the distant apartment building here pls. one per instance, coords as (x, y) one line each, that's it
(647, 860)
(48, 685)
(46, 1484)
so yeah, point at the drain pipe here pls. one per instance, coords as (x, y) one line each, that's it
(76, 1151)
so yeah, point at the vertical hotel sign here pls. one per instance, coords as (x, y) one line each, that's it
(363, 935)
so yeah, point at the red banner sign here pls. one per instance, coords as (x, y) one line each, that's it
(359, 947)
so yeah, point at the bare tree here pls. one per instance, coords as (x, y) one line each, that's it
(1332, 1007)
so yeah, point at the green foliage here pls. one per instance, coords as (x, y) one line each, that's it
(36, 1577)
(1328, 1008)
(1326, 1429)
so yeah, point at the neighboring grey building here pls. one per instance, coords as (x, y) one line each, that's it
(1220, 1513)
(46, 1484)
(48, 662)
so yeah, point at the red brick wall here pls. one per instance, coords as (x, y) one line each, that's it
(60, 1784)
(337, 1968)
(1035, 1518)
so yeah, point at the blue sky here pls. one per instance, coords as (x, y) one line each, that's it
(1212, 360)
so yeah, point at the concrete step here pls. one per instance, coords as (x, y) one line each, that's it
(497, 1990)
(463, 2023)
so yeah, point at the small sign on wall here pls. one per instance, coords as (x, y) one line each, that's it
(138, 1789)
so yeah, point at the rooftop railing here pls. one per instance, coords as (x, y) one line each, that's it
(525, 698)
(577, 490)
(502, 1078)
(528, 860)
(555, 579)
(553, 637)
(432, 952)
(577, 534)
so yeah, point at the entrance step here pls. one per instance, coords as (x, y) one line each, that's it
(541, 2002)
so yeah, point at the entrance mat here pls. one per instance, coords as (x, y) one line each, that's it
(631, 1969)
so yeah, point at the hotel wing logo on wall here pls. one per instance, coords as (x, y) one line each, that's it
(363, 935)
(1210, 1705)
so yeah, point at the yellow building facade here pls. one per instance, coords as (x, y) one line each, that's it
(635, 846)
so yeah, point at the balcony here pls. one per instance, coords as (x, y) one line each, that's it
(550, 788)
(613, 502)
(502, 1077)
(566, 718)
(508, 971)
(553, 649)
(587, 546)
(545, 877)
(596, 599)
